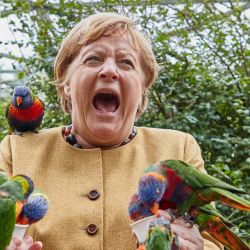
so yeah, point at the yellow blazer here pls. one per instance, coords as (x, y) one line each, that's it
(68, 174)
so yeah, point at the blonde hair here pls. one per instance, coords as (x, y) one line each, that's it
(91, 29)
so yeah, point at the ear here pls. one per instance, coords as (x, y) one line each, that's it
(66, 89)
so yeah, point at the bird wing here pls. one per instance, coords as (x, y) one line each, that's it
(210, 220)
(7, 221)
(3, 177)
(211, 210)
(7, 111)
(196, 179)
(34, 97)
(43, 104)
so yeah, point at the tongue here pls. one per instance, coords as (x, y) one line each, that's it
(105, 103)
(105, 106)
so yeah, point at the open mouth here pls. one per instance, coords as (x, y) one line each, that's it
(106, 102)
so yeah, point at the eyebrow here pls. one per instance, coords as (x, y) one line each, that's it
(102, 51)
(123, 52)
(95, 50)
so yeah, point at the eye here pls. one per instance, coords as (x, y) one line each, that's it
(92, 60)
(128, 63)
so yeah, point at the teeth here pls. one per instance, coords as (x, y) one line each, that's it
(107, 93)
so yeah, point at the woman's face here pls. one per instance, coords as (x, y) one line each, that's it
(105, 88)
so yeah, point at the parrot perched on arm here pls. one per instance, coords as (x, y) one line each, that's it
(188, 190)
(17, 188)
(185, 187)
(25, 111)
(34, 209)
(206, 217)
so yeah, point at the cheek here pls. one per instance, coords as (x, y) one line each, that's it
(82, 85)
(136, 92)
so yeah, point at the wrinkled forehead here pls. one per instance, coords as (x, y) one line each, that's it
(126, 34)
(120, 42)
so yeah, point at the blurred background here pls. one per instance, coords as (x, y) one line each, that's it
(203, 88)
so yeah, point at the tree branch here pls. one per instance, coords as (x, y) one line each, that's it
(206, 43)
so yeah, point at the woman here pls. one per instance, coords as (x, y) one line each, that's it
(89, 170)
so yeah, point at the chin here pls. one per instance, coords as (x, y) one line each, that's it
(106, 135)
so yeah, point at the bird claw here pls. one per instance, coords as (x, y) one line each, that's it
(18, 133)
(188, 220)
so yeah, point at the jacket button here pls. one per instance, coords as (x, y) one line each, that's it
(93, 194)
(92, 229)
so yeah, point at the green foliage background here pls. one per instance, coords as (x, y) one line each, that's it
(203, 88)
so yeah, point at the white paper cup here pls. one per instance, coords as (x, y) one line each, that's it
(20, 230)
(141, 228)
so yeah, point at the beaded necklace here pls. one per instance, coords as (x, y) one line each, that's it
(70, 138)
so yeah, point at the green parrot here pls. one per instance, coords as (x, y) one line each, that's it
(160, 236)
(174, 184)
(185, 187)
(18, 188)
(210, 220)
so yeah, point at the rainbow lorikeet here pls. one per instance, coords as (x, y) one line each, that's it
(185, 187)
(207, 219)
(160, 236)
(25, 111)
(136, 208)
(17, 188)
(34, 209)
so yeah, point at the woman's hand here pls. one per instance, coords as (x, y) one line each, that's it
(25, 244)
(189, 237)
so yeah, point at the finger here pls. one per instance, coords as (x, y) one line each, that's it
(186, 233)
(36, 246)
(28, 239)
(17, 241)
(186, 245)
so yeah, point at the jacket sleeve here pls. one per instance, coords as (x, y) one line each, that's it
(6, 155)
(192, 155)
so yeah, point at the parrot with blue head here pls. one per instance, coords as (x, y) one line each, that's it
(15, 189)
(137, 209)
(188, 190)
(25, 111)
(151, 189)
(186, 187)
(34, 209)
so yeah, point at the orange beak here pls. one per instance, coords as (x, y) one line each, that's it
(19, 206)
(19, 100)
(154, 209)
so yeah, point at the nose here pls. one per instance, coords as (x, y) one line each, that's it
(109, 71)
